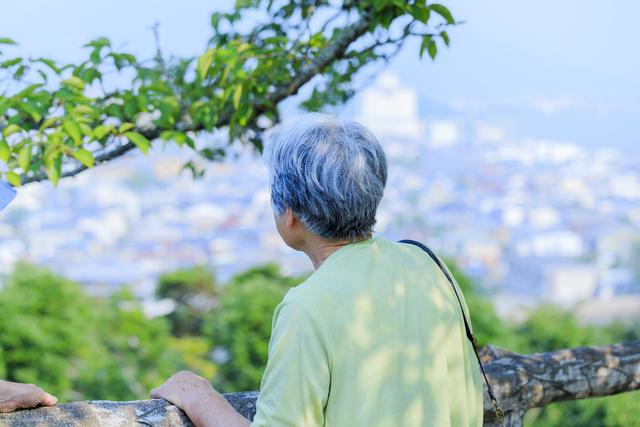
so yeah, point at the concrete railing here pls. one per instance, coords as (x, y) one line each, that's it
(520, 382)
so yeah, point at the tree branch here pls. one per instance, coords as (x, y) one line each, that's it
(333, 52)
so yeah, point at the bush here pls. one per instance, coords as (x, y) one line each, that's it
(240, 328)
(77, 347)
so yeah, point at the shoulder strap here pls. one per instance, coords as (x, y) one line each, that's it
(467, 327)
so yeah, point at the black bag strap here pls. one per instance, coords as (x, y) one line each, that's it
(467, 327)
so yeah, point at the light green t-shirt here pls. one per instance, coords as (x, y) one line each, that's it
(374, 337)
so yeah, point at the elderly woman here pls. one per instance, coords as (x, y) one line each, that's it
(375, 336)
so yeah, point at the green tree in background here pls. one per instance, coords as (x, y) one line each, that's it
(240, 327)
(194, 292)
(135, 353)
(54, 335)
(488, 327)
(59, 119)
(45, 329)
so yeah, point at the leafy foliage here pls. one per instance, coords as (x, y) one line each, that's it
(59, 119)
(54, 335)
(241, 326)
(135, 353)
(44, 322)
(194, 292)
(488, 328)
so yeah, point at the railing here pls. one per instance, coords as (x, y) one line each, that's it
(520, 382)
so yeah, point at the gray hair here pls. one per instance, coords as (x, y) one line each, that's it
(330, 172)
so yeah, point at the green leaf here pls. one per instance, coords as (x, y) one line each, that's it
(425, 42)
(237, 96)
(160, 87)
(386, 18)
(166, 135)
(48, 122)
(444, 12)
(14, 179)
(24, 157)
(179, 138)
(139, 141)
(51, 64)
(6, 40)
(215, 19)
(101, 131)
(126, 126)
(187, 140)
(20, 72)
(84, 109)
(10, 62)
(5, 151)
(379, 4)
(54, 168)
(432, 49)
(121, 60)
(99, 42)
(84, 156)
(27, 91)
(73, 130)
(4, 105)
(130, 107)
(74, 82)
(32, 109)
(142, 102)
(204, 62)
(421, 13)
(43, 76)
(85, 129)
(11, 129)
(445, 37)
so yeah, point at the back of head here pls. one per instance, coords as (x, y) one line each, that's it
(330, 172)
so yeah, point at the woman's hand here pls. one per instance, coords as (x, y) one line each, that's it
(199, 400)
(22, 396)
(184, 388)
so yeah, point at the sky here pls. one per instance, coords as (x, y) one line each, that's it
(561, 70)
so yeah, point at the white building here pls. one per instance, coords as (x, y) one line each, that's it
(390, 109)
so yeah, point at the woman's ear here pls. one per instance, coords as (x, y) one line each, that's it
(289, 218)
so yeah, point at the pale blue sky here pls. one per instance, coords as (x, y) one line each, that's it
(556, 69)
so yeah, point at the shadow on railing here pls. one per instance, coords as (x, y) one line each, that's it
(520, 382)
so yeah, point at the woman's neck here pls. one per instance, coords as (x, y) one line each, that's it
(319, 249)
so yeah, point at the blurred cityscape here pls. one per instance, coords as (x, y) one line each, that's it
(530, 220)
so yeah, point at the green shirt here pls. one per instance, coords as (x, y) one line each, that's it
(374, 337)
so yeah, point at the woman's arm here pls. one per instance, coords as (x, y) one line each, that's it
(204, 406)
(295, 384)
